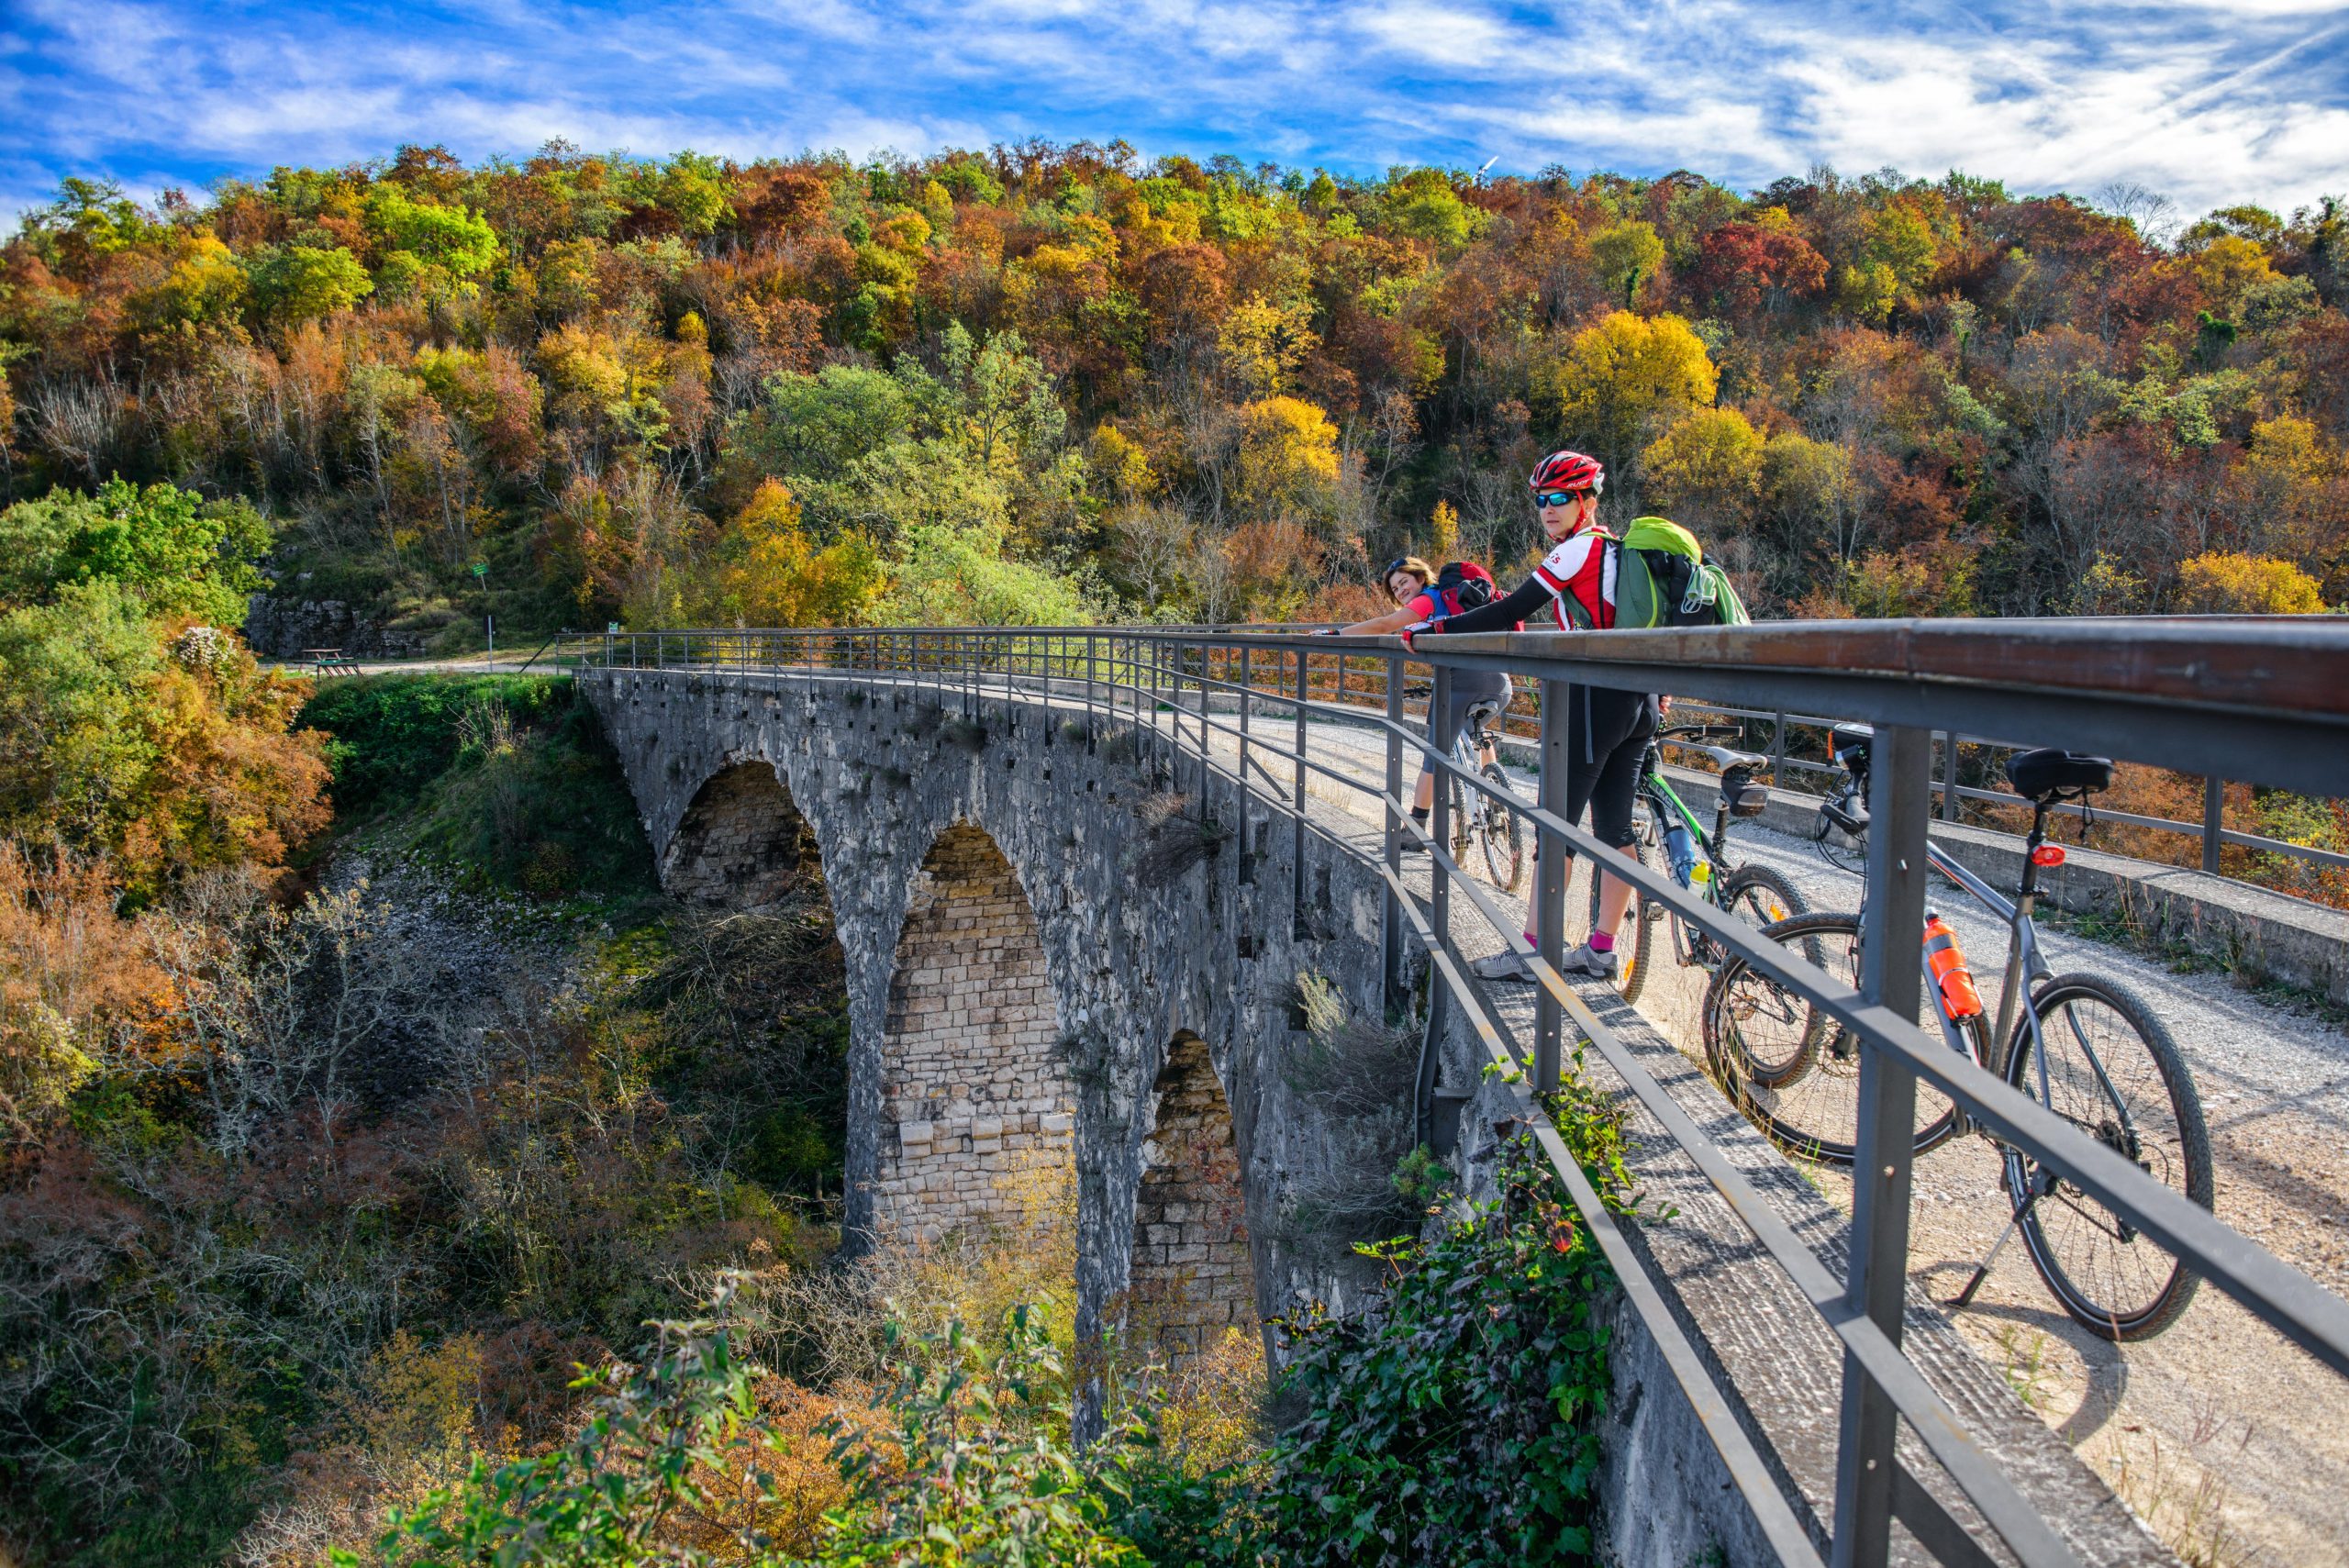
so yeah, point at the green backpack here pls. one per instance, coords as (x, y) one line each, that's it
(1661, 578)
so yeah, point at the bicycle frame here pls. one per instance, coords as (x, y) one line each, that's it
(2025, 968)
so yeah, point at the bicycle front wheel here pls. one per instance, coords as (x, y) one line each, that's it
(1791, 1068)
(1504, 835)
(2100, 1060)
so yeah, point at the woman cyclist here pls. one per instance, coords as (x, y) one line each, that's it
(1606, 731)
(1419, 602)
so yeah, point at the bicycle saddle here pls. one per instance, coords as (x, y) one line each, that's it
(2048, 772)
(1724, 759)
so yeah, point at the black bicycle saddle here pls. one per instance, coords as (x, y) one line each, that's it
(2049, 771)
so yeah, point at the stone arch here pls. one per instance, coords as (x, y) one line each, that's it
(977, 1109)
(741, 843)
(1191, 1278)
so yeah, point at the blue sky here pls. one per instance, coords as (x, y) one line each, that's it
(2206, 103)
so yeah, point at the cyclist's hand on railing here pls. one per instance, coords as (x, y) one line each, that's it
(1412, 630)
(1323, 631)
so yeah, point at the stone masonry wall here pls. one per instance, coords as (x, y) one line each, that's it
(978, 1117)
(1190, 1279)
(741, 843)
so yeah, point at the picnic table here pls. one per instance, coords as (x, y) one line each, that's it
(326, 661)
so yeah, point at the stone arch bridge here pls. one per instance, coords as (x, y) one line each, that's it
(1049, 1008)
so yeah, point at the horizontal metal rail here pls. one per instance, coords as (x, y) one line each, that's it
(1951, 790)
(2271, 698)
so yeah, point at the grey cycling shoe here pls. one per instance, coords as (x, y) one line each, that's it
(1501, 966)
(1588, 960)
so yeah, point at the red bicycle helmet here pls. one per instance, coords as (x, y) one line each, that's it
(1568, 471)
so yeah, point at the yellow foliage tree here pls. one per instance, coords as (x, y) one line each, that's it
(2227, 266)
(776, 576)
(2293, 486)
(1625, 377)
(1289, 455)
(1443, 532)
(2219, 582)
(1705, 470)
(1263, 341)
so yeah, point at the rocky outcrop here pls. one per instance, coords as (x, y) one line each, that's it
(282, 628)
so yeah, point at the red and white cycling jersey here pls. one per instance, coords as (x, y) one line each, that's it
(1581, 566)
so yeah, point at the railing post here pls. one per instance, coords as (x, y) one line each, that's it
(1551, 869)
(2214, 814)
(1778, 750)
(1296, 843)
(1900, 802)
(1244, 694)
(1439, 819)
(1949, 775)
(1206, 663)
(1391, 917)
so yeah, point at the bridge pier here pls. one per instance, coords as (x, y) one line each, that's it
(978, 1117)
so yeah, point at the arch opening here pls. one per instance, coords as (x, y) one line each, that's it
(978, 1113)
(741, 844)
(1191, 1281)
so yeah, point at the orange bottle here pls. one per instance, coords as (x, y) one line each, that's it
(1942, 956)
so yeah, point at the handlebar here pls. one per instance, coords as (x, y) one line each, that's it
(1701, 733)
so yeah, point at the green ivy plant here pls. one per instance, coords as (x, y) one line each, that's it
(1459, 1423)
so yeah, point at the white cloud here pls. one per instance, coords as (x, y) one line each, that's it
(2211, 103)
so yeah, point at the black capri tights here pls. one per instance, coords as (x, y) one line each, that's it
(1607, 736)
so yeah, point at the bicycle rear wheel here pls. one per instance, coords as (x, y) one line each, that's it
(1503, 834)
(2116, 1282)
(1792, 1069)
(1464, 806)
(1635, 935)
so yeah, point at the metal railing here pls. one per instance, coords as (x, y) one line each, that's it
(2263, 701)
(1521, 724)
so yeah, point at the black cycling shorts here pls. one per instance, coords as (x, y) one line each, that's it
(1607, 736)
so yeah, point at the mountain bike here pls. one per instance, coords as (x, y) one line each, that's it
(1477, 819)
(1667, 832)
(2083, 1045)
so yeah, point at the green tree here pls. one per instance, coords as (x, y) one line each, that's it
(179, 554)
(691, 189)
(1628, 254)
(814, 427)
(962, 573)
(432, 250)
(294, 283)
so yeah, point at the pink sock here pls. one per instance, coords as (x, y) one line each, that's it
(1601, 942)
(1532, 940)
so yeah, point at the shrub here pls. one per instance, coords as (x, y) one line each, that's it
(1459, 1423)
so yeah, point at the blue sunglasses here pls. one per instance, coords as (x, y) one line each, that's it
(1558, 498)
